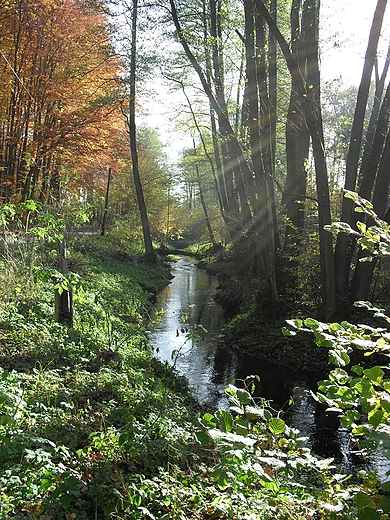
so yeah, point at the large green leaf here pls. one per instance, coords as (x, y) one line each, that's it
(276, 426)
(203, 438)
(208, 421)
(243, 396)
(374, 374)
(362, 499)
(226, 420)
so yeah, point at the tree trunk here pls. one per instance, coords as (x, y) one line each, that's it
(297, 153)
(364, 270)
(344, 243)
(203, 202)
(371, 161)
(235, 154)
(105, 211)
(63, 299)
(218, 77)
(149, 251)
(375, 114)
(263, 242)
(314, 122)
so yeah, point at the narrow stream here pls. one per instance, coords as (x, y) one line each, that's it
(210, 366)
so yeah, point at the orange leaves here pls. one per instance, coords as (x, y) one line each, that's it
(58, 101)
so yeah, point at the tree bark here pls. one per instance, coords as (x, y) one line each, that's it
(297, 153)
(263, 241)
(364, 270)
(105, 211)
(344, 243)
(64, 300)
(235, 153)
(314, 122)
(150, 254)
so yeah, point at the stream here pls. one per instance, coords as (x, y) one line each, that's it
(190, 337)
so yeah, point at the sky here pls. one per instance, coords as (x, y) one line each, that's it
(344, 35)
(344, 32)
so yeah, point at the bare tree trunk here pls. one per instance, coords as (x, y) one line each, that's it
(149, 251)
(63, 299)
(344, 243)
(362, 278)
(105, 211)
(263, 241)
(234, 150)
(203, 202)
(218, 75)
(314, 122)
(375, 114)
(297, 153)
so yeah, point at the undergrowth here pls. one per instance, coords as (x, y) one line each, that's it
(93, 427)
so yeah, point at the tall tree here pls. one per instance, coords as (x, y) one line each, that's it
(309, 100)
(258, 122)
(255, 234)
(297, 150)
(343, 243)
(50, 50)
(149, 251)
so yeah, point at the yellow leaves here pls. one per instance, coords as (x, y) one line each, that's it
(35, 509)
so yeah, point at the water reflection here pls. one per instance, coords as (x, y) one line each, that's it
(209, 365)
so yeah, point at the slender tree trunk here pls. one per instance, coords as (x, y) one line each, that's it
(218, 77)
(203, 202)
(221, 190)
(149, 251)
(344, 243)
(105, 211)
(370, 164)
(234, 150)
(375, 114)
(263, 233)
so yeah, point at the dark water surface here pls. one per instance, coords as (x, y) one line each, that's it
(209, 365)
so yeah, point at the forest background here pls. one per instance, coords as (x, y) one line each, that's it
(271, 146)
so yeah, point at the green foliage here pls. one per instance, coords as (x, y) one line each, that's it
(360, 392)
(91, 426)
(375, 239)
(77, 405)
(28, 232)
(264, 466)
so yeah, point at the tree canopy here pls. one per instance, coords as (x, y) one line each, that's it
(270, 138)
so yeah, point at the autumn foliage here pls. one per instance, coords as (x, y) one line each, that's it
(60, 123)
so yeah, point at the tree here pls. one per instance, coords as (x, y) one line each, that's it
(256, 245)
(309, 100)
(49, 52)
(344, 244)
(297, 149)
(149, 251)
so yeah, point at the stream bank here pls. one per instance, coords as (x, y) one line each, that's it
(254, 325)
